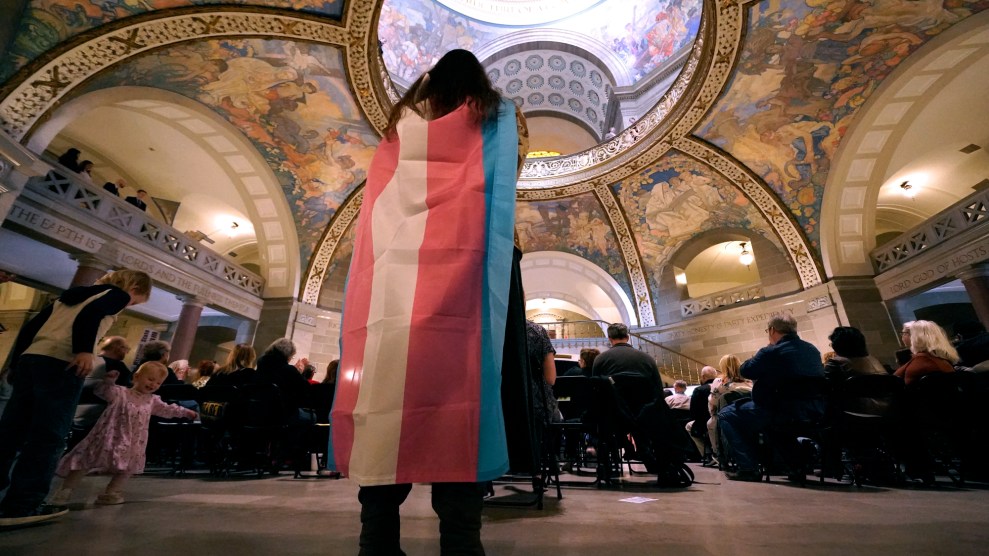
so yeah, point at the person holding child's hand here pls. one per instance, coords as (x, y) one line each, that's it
(117, 442)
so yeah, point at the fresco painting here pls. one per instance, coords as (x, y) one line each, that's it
(575, 225)
(805, 69)
(677, 198)
(46, 23)
(290, 99)
(643, 33)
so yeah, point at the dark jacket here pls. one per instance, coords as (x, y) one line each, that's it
(274, 368)
(239, 377)
(699, 411)
(772, 365)
(623, 359)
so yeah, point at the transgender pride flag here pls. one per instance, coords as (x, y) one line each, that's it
(418, 391)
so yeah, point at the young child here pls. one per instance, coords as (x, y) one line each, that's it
(117, 442)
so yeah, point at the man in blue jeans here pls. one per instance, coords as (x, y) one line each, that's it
(785, 357)
(51, 358)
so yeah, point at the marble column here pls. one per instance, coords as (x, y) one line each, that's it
(186, 327)
(976, 282)
(90, 270)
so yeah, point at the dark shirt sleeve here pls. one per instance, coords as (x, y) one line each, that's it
(758, 365)
(87, 323)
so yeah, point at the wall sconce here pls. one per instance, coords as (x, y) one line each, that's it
(908, 189)
(746, 257)
(681, 278)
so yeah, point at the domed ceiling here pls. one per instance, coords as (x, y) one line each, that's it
(564, 59)
(739, 108)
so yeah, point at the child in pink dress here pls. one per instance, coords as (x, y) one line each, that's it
(117, 442)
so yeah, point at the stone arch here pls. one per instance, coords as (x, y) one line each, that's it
(848, 210)
(259, 189)
(587, 285)
(776, 272)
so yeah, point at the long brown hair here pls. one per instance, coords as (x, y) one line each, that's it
(457, 79)
(241, 357)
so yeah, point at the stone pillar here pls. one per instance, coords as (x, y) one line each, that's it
(89, 271)
(276, 321)
(186, 327)
(976, 282)
(859, 304)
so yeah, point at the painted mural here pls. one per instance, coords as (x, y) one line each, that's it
(643, 33)
(805, 69)
(290, 99)
(677, 198)
(46, 23)
(575, 225)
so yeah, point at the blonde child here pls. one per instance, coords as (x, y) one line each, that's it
(117, 442)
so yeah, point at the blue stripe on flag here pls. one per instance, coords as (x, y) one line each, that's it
(500, 155)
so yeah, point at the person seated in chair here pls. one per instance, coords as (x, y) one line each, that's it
(274, 368)
(622, 358)
(786, 357)
(679, 399)
(699, 412)
(851, 359)
(932, 352)
(725, 389)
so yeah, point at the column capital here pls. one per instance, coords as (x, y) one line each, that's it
(976, 271)
(91, 261)
(191, 301)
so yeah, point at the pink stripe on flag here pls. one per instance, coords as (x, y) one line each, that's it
(453, 249)
(358, 303)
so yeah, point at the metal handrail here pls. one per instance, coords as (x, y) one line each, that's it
(679, 365)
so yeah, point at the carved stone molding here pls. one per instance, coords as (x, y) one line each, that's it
(328, 245)
(630, 254)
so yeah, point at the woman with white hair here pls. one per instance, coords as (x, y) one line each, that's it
(932, 352)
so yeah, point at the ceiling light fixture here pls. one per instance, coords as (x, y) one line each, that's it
(745, 257)
(908, 189)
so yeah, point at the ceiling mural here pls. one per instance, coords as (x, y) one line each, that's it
(644, 33)
(575, 225)
(46, 23)
(290, 99)
(804, 70)
(677, 198)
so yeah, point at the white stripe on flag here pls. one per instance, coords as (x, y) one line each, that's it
(398, 225)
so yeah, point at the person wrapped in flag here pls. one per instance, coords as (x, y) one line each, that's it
(418, 391)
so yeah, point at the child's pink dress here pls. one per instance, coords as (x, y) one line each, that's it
(118, 440)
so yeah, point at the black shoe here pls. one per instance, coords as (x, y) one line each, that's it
(744, 475)
(43, 512)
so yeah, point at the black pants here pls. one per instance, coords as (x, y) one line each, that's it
(458, 506)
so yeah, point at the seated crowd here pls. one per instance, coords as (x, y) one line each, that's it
(796, 404)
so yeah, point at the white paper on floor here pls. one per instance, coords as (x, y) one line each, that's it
(638, 500)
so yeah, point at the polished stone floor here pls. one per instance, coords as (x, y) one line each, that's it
(197, 516)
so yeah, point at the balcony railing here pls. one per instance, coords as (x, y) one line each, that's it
(671, 362)
(970, 212)
(725, 298)
(93, 204)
